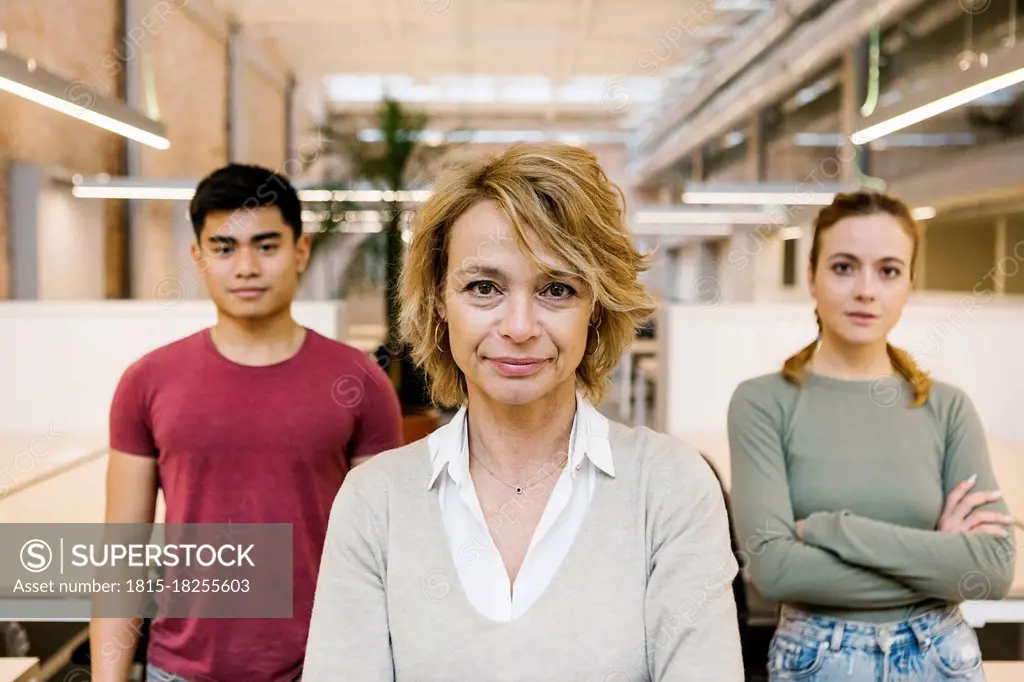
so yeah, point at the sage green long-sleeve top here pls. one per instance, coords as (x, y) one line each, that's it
(869, 475)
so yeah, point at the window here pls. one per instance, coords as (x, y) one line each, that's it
(789, 262)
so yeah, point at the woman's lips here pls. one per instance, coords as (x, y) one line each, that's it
(517, 367)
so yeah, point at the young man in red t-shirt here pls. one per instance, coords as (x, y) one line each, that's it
(254, 420)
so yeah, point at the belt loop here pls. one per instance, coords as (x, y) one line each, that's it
(921, 630)
(837, 636)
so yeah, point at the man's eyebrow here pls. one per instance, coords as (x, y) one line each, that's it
(256, 238)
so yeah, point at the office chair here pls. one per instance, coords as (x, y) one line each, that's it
(754, 640)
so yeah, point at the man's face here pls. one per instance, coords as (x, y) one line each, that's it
(250, 261)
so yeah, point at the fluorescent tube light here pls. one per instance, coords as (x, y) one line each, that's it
(923, 213)
(152, 193)
(762, 194)
(760, 198)
(365, 195)
(684, 217)
(937, 107)
(155, 189)
(685, 230)
(76, 99)
(158, 189)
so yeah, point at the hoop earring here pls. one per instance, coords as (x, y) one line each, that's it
(817, 317)
(437, 343)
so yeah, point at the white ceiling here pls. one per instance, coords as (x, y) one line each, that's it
(567, 52)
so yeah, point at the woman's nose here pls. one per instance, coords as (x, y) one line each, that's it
(519, 322)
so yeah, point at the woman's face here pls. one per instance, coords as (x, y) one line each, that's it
(863, 278)
(516, 333)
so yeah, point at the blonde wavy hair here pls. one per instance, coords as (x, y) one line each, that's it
(861, 204)
(557, 199)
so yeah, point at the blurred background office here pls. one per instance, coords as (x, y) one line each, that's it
(727, 123)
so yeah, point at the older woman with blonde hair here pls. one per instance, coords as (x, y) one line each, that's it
(530, 538)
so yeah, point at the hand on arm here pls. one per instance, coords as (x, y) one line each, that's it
(960, 514)
(781, 566)
(969, 538)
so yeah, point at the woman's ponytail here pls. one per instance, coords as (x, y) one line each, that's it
(793, 368)
(918, 378)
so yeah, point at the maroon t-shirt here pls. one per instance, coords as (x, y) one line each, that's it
(245, 444)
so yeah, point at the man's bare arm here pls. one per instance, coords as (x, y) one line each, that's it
(131, 498)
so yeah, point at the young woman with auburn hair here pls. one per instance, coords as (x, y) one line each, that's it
(862, 488)
(531, 538)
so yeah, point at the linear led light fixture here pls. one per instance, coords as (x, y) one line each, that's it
(78, 100)
(157, 189)
(937, 107)
(677, 230)
(365, 195)
(684, 216)
(761, 194)
(176, 189)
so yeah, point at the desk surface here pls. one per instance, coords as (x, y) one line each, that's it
(1007, 460)
(28, 457)
(19, 669)
(1004, 671)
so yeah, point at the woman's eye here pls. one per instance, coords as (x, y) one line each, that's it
(841, 268)
(482, 288)
(891, 271)
(559, 290)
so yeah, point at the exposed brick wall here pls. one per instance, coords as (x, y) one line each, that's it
(189, 79)
(185, 73)
(72, 40)
(263, 119)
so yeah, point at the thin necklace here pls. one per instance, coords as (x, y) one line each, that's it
(517, 488)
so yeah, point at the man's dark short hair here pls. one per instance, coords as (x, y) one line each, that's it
(241, 187)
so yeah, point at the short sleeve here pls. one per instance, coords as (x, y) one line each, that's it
(130, 424)
(379, 426)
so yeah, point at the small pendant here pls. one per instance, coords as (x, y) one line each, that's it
(519, 491)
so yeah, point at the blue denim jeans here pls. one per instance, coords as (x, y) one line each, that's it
(938, 646)
(155, 674)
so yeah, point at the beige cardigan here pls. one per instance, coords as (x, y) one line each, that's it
(644, 593)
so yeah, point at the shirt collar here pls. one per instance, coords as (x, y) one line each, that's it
(449, 444)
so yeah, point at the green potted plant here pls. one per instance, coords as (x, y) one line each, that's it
(394, 161)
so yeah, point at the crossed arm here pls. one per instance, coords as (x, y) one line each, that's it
(842, 559)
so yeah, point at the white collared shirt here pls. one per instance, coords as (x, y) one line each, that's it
(480, 567)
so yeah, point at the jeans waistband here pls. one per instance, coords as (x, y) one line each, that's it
(839, 633)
